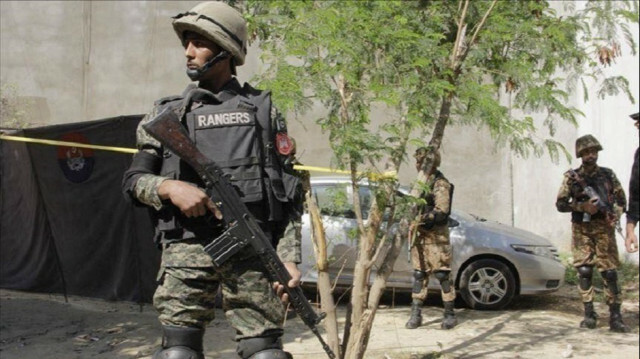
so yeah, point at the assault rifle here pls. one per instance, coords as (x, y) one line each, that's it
(241, 228)
(603, 206)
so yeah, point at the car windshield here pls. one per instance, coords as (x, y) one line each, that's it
(336, 199)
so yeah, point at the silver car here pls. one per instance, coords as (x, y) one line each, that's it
(492, 262)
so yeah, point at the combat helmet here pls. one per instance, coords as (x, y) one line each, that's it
(585, 142)
(219, 23)
(422, 152)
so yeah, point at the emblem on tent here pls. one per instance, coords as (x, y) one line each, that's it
(76, 162)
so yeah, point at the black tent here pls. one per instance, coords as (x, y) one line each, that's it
(65, 226)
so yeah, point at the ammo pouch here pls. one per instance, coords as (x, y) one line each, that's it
(432, 219)
(435, 218)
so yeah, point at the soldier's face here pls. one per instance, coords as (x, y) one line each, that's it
(198, 50)
(590, 156)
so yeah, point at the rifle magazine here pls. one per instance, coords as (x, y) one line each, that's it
(225, 246)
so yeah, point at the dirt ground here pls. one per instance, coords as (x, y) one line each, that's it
(37, 326)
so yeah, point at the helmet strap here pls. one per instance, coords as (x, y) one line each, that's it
(196, 74)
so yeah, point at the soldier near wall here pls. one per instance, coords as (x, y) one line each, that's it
(238, 128)
(430, 247)
(594, 197)
(633, 213)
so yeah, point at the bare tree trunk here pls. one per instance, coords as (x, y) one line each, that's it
(361, 332)
(360, 289)
(360, 335)
(327, 305)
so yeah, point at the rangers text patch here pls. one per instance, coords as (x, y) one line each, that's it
(236, 118)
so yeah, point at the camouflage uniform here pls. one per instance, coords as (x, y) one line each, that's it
(249, 303)
(188, 280)
(593, 242)
(431, 251)
(593, 235)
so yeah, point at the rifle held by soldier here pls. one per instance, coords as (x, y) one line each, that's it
(595, 198)
(241, 228)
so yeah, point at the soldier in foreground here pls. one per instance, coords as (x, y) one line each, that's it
(633, 213)
(596, 201)
(238, 128)
(431, 249)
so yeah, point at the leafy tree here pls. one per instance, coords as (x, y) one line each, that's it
(431, 63)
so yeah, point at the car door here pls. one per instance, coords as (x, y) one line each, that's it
(340, 223)
(334, 200)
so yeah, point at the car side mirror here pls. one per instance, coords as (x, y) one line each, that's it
(452, 223)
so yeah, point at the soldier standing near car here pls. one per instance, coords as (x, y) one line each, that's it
(431, 249)
(593, 229)
(238, 128)
(633, 213)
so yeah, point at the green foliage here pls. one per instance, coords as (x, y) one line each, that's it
(334, 202)
(350, 55)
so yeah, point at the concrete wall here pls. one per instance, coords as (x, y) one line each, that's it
(89, 60)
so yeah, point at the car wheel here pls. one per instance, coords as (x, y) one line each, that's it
(487, 284)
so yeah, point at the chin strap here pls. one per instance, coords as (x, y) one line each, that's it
(195, 75)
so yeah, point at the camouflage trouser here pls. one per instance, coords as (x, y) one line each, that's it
(594, 244)
(431, 252)
(188, 284)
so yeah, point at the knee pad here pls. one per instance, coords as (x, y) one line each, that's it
(611, 277)
(585, 273)
(418, 278)
(443, 278)
(270, 343)
(181, 343)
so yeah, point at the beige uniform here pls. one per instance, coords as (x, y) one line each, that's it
(431, 250)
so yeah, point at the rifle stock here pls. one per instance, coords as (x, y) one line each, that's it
(242, 229)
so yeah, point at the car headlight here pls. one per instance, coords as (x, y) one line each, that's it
(543, 251)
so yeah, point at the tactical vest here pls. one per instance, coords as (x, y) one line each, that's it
(431, 201)
(601, 182)
(235, 131)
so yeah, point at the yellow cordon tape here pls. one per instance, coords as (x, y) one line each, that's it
(388, 174)
(65, 143)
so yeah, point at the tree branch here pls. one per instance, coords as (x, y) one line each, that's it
(459, 35)
(479, 26)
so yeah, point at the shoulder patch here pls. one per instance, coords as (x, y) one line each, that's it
(167, 99)
(250, 90)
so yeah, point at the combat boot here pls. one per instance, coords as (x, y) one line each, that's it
(590, 317)
(415, 320)
(272, 354)
(180, 343)
(449, 321)
(615, 319)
